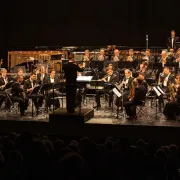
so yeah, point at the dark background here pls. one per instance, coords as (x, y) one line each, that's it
(85, 22)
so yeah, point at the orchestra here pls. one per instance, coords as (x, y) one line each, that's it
(129, 73)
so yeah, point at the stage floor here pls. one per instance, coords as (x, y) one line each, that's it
(102, 116)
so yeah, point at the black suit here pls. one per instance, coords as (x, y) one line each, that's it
(107, 89)
(49, 94)
(169, 43)
(70, 70)
(139, 97)
(18, 97)
(3, 96)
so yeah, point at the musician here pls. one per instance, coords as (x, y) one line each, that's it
(137, 99)
(19, 96)
(171, 41)
(148, 57)
(29, 85)
(117, 56)
(41, 75)
(164, 58)
(143, 68)
(101, 56)
(111, 78)
(142, 77)
(125, 85)
(3, 82)
(87, 58)
(20, 72)
(52, 79)
(165, 78)
(70, 70)
(131, 57)
(172, 108)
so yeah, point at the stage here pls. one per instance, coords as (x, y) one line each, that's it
(104, 123)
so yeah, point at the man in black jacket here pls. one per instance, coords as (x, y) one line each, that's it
(19, 96)
(70, 70)
(171, 41)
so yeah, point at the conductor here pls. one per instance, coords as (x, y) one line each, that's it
(70, 70)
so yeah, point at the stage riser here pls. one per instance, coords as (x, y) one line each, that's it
(61, 116)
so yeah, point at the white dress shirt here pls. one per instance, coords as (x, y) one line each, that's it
(51, 80)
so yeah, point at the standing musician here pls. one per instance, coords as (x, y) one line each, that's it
(29, 85)
(117, 56)
(70, 70)
(101, 56)
(18, 95)
(3, 82)
(111, 78)
(138, 95)
(49, 97)
(171, 41)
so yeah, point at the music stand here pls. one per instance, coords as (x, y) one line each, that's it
(59, 85)
(97, 64)
(45, 87)
(34, 95)
(114, 64)
(159, 92)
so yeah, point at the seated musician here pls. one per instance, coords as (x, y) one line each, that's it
(125, 85)
(165, 79)
(143, 68)
(20, 72)
(19, 96)
(117, 56)
(142, 77)
(109, 78)
(164, 58)
(87, 58)
(137, 96)
(101, 56)
(148, 57)
(29, 85)
(3, 82)
(49, 95)
(131, 57)
(41, 75)
(172, 108)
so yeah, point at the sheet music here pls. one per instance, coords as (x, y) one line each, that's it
(116, 92)
(156, 91)
(161, 91)
(84, 78)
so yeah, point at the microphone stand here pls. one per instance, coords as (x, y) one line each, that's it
(146, 41)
